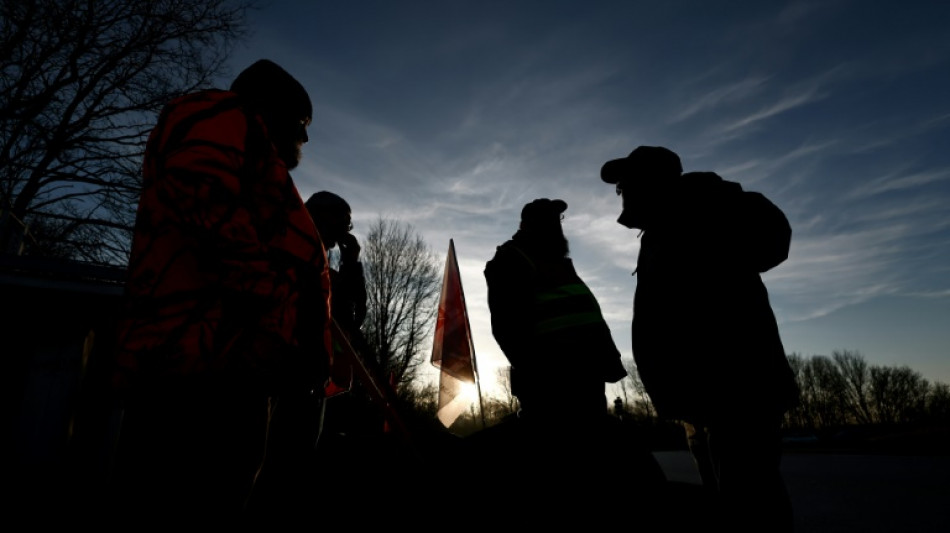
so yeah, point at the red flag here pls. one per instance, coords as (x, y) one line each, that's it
(452, 349)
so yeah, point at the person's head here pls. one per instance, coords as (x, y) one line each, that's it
(283, 103)
(541, 225)
(332, 216)
(638, 177)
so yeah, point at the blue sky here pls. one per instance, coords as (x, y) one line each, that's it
(451, 115)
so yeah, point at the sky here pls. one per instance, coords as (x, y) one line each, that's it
(450, 115)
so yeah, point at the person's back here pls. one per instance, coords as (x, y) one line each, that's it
(694, 274)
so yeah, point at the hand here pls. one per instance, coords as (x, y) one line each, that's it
(349, 248)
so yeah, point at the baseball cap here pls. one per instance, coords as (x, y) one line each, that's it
(643, 161)
(543, 210)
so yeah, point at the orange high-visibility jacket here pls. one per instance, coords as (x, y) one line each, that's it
(228, 278)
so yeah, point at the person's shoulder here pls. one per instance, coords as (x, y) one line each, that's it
(703, 176)
(702, 186)
(503, 247)
(207, 105)
(205, 97)
(212, 115)
(504, 254)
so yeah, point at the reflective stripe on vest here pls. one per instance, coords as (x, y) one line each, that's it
(566, 306)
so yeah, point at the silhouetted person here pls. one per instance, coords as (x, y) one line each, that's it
(333, 218)
(227, 301)
(548, 323)
(550, 327)
(705, 339)
(353, 420)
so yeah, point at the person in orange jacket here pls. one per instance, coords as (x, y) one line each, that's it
(226, 309)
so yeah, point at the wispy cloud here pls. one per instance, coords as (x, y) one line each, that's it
(897, 181)
(729, 93)
(786, 103)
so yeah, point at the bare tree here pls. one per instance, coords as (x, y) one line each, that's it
(938, 403)
(402, 286)
(897, 394)
(507, 398)
(81, 86)
(854, 370)
(822, 393)
(639, 406)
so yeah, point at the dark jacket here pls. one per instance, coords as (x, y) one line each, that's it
(705, 339)
(547, 323)
(349, 298)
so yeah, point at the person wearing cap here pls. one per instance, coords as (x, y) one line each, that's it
(334, 220)
(226, 307)
(546, 320)
(705, 339)
(550, 327)
(350, 416)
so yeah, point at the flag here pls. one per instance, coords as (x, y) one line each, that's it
(452, 350)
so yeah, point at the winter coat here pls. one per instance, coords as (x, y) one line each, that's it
(705, 339)
(548, 324)
(228, 283)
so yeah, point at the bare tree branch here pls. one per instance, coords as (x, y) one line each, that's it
(82, 83)
(402, 284)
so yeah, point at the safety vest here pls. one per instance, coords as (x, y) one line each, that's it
(565, 305)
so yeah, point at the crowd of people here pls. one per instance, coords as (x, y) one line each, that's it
(235, 351)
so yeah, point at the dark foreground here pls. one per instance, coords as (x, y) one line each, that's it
(499, 479)
(854, 493)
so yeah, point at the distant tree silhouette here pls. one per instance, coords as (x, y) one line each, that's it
(402, 286)
(854, 371)
(636, 402)
(897, 394)
(938, 403)
(81, 86)
(822, 389)
(507, 398)
(843, 390)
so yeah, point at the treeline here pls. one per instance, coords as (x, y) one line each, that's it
(836, 391)
(844, 389)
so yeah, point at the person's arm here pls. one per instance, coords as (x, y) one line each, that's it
(351, 272)
(510, 296)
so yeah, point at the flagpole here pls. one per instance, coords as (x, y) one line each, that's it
(471, 343)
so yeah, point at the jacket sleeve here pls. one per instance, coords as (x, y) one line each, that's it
(354, 285)
(508, 277)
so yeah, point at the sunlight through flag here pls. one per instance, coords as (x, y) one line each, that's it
(452, 350)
